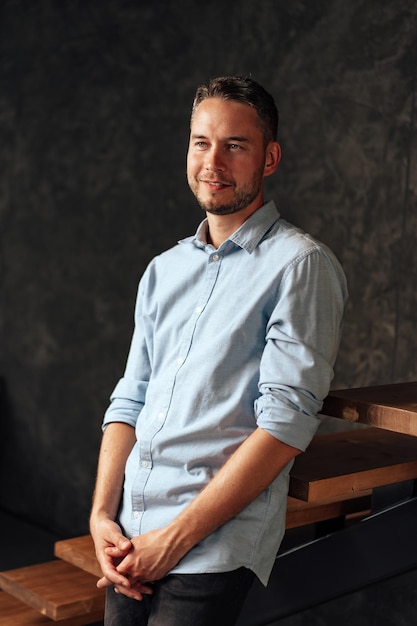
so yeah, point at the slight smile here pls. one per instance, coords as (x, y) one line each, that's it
(216, 184)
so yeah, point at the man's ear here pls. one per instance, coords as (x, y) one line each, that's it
(272, 157)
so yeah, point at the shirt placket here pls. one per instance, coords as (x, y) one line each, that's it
(161, 412)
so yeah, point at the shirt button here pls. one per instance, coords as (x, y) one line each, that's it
(161, 415)
(136, 514)
(144, 463)
(215, 257)
(198, 309)
(180, 360)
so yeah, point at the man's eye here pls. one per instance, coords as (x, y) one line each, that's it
(201, 144)
(234, 146)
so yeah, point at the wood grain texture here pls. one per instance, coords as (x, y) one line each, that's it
(80, 552)
(393, 407)
(301, 513)
(15, 613)
(346, 463)
(55, 589)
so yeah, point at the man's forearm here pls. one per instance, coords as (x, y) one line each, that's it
(250, 470)
(117, 443)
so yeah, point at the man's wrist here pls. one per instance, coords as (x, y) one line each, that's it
(99, 517)
(182, 536)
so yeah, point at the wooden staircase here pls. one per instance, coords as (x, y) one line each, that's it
(334, 479)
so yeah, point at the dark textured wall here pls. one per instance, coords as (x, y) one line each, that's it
(94, 107)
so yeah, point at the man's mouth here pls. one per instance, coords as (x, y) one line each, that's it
(216, 184)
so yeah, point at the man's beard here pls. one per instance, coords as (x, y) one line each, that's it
(243, 197)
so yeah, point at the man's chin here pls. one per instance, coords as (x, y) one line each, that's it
(216, 207)
(224, 209)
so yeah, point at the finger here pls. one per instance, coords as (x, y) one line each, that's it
(114, 579)
(123, 543)
(116, 551)
(114, 537)
(135, 594)
(144, 588)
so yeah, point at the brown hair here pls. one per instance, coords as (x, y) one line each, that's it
(248, 92)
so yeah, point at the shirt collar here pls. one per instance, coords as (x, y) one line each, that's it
(246, 236)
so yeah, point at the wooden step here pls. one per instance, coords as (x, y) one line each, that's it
(16, 613)
(387, 406)
(56, 589)
(79, 551)
(300, 513)
(338, 464)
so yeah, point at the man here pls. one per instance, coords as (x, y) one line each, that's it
(236, 333)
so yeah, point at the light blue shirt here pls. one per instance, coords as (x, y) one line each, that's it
(226, 340)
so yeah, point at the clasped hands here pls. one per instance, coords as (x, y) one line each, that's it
(131, 566)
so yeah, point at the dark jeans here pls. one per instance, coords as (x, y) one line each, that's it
(183, 600)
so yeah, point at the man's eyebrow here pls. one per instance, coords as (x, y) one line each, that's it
(237, 138)
(232, 138)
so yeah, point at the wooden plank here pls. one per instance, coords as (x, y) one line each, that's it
(343, 463)
(79, 551)
(16, 613)
(56, 589)
(300, 513)
(393, 407)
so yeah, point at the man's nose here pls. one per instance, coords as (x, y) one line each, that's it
(215, 160)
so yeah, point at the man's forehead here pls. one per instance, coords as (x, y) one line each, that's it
(218, 112)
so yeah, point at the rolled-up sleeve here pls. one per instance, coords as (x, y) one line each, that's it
(302, 339)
